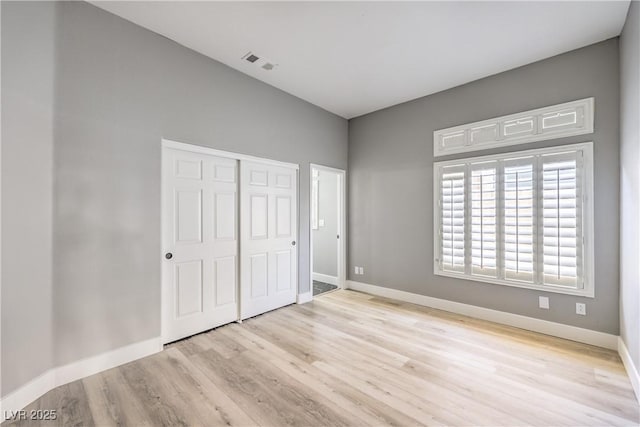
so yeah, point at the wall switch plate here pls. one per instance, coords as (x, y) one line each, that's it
(361, 270)
(543, 302)
(356, 270)
(581, 309)
(321, 223)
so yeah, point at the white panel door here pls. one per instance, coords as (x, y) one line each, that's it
(200, 243)
(269, 222)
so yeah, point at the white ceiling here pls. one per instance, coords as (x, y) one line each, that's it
(352, 58)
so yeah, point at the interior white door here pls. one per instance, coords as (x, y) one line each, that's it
(268, 224)
(200, 263)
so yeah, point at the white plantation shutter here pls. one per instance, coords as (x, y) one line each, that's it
(452, 210)
(484, 219)
(521, 219)
(561, 209)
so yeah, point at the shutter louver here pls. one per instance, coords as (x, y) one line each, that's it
(453, 219)
(519, 226)
(484, 219)
(561, 219)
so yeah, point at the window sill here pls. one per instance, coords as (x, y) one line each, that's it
(587, 292)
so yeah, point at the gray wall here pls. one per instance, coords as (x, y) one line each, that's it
(325, 246)
(630, 183)
(118, 90)
(391, 183)
(28, 70)
(122, 88)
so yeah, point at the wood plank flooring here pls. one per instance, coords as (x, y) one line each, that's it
(351, 359)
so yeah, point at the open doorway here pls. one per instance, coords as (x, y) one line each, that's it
(327, 229)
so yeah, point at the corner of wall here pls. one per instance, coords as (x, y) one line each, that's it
(629, 48)
(632, 370)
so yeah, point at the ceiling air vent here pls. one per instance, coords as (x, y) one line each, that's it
(261, 62)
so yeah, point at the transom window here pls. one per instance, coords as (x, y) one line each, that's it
(521, 219)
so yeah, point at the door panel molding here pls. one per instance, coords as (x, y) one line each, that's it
(268, 234)
(199, 242)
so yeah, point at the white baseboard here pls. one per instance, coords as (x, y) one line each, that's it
(325, 278)
(304, 298)
(18, 399)
(61, 375)
(573, 333)
(632, 370)
(92, 365)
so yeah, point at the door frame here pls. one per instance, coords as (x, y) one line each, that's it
(342, 224)
(167, 143)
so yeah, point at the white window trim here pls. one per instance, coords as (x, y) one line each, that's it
(583, 109)
(588, 289)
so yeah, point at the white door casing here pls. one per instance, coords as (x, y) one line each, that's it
(341, 241)
(269, 223)
(200, 231)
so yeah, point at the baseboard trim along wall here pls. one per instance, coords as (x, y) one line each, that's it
(26, 394)
(573, 333)
(305, 297)
(61, 375)
(632, 370)
(92, 365)
(325, 278)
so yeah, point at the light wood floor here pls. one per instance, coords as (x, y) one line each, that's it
(352, 359)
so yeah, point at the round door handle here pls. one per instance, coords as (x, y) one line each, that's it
(168, 255)
(293, 243)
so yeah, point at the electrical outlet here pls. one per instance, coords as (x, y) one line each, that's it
(356, 270)
(321, 223)
(543, 302)
(361, 270)
(581, 309)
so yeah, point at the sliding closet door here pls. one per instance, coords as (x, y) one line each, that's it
(200, 259)
(269, 222)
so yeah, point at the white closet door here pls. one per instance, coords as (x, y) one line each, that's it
(269, 222)
(200, 260)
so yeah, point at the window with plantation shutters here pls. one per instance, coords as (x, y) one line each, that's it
(522, 219)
